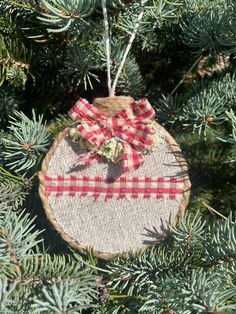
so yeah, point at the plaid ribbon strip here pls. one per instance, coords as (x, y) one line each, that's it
(108, 188)
(129, 126)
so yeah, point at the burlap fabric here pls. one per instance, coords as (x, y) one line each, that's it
(115, 226)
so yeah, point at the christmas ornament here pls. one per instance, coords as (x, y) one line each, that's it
(114, 179)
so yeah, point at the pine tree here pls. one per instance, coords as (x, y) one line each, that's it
(183, 60)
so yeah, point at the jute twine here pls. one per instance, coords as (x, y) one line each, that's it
(110, 106)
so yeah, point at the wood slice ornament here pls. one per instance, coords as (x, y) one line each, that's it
(117, 184)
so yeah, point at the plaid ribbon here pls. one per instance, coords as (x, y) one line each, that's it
(128, 126)
(121, 188)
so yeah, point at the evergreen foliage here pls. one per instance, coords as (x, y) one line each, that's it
(29, 138)
(183, 61)
(12, 192)
(59, 124)
(9, 102)
(33, 282)
(14, 58)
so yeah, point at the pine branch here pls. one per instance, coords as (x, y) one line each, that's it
(231, 138)
(208, 29)
(66, 297)
(6, 290)
(10, 101)
(63, 14)
(26, 5)
(59, 124)
(83, 64)
(170, 109)
(130, 81)
(178, 274)
(15, 63)
(12, 191)
(28, 142)
(17, 240)
(10, 249)
(17, 179)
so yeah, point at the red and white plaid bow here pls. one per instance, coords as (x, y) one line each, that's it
(128, 126)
